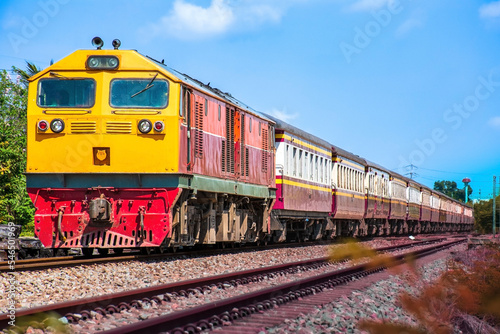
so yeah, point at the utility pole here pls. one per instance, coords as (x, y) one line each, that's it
(412, 173)
(494, 204)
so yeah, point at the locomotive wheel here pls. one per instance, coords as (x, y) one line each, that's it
(87, 251)
(103, 251)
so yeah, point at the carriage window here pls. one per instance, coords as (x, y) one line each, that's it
(139, 93)
(285, 167)
(300, 163)
(66, 93)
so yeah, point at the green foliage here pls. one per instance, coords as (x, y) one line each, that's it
(24, 75)
(483, 215)
(450, 189)
(15, 204)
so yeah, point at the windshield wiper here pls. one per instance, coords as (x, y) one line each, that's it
(148, 86)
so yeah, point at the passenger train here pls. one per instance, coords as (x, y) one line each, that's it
(126, 152)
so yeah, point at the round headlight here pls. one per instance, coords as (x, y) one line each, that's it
(43, 125)
(159, 126)
(57, 125)
(112, 62)
(145, 126)
(93, 62)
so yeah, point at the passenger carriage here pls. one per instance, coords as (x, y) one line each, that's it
(399, 204)
(377, 199)
(303, 182)
(435, 204)
(414, 198)
(348, 193)
(425, 210)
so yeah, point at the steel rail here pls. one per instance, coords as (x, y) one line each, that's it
(112, 303)
(210, 315)
(72, 261)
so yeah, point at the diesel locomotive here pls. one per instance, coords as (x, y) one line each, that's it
(127, 152)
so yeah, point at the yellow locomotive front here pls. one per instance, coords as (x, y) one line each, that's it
(103, 149)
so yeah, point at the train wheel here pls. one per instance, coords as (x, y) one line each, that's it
(87, 251)
(103, 251)
(161, 249)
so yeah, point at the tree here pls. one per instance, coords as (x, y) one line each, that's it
(15, 204)
(450, 189)
(24, 75)
(483, 215)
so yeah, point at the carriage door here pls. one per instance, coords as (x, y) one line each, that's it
(187, 113)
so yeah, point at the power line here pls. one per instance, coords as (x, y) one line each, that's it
(448, 172)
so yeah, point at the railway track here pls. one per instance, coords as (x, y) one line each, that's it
(221, 313)
(71, 261)
(113, 303)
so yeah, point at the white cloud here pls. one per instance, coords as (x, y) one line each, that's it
(187, 20)
(366, 5)
(408, 26)
(190, 21)
(490, 10)
(283, 114)
(495, 122)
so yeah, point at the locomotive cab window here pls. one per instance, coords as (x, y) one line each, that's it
(66, 93)
(139, 93)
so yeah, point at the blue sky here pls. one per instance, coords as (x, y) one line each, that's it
(397, 82)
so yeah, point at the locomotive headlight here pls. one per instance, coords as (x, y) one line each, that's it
(93, 62)
(57, 125)
(43, 125)
(113, 62)
(159, 126)
(102, 62)
(145, 126)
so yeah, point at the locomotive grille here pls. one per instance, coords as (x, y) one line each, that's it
(118, 127)
(264, 149)
(83, 127)
(198, 139)
(246, 164)
(224, 155)
(229, 156)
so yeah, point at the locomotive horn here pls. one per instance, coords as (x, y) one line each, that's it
(97, 42)
(116, 43)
